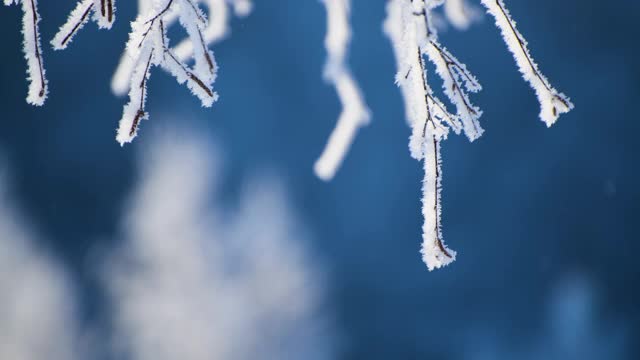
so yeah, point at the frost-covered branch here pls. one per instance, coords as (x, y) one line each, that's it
(217, 29)
(148, 47)
(103, 14)
(552, 102)
(354, 110)
(434, 252)
(412, 34)
(38, 88)
(456, 78)
(410, 27)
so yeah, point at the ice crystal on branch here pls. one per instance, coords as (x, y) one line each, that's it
(103, 14)
(148, 46)
(552, 102)
(38, 88)
(216, 30)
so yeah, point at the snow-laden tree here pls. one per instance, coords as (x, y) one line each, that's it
(409, 25)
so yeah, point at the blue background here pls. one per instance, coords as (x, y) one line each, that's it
(525, 206)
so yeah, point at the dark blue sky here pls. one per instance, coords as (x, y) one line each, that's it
(524, 206)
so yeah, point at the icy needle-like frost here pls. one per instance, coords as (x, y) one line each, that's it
(103, 14)
(38, 88)
(552, 102)
(148, 46)
(434, 251)
(217, 29)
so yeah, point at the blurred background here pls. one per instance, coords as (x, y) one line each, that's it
(210, 237)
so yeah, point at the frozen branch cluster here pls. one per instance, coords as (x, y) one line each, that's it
(148, 46)
(410, 27)
(414, 38)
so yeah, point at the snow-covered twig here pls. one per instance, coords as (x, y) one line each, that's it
(456, 78)
(103, 14)
(434, 251)
(552, 102)
(412, 34)
(38, 88)
(354, 110)
(148, 47)
(216, 30)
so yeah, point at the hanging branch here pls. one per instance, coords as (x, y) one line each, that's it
(216, 29)
(454, 76)
(148, 47)
(354, 110)
(552, 102)
(434, 251)
(38, 89)
(408, 26)
(103, 14)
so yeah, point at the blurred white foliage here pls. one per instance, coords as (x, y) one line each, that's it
(36, 304)
(192, 282)
(355, 112)
(460, 13)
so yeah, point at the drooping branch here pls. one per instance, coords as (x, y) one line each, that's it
(552, 102)
(434, 251)
(103, 14)
(409, 28)
(210, 31)
(355, 113)
(454, 77)
(148, 46)
(38, 89)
